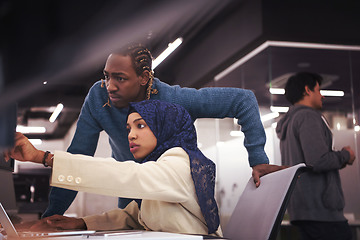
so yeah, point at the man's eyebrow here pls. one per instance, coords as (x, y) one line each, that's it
(114, 73)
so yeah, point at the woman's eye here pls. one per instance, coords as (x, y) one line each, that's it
(141, 125)
(106, 77)
(128, 130)
(120, 78)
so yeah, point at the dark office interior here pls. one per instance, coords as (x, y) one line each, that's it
(53, 51)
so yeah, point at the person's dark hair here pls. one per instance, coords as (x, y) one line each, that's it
(295, 86)
(141, 59)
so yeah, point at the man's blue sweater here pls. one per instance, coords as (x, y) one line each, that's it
(203, 103)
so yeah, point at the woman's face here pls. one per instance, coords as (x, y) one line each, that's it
(142, 141)
(122, 82)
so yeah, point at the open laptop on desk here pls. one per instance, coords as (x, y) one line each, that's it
(12, 233)
(89, 234)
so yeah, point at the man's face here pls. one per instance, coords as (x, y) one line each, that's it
(316, 97)
(142, 140)
(122, 82)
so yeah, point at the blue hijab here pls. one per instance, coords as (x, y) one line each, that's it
(173, 127)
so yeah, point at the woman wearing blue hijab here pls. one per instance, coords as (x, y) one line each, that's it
(171, 178)
(173, 127)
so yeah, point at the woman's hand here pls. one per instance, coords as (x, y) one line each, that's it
(59, 222)
(24, 151)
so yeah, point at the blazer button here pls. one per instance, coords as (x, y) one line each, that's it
(78, 180)
(61, 178)
(69, 178)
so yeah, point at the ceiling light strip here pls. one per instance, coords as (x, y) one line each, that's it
(171, 47)
(237, 134)
(269, 116)
(25, 129)
(56, 112)
(241, 61)
(279, 109)
(35, 141)
(266, 44)
(325, 93)
(332, 93)
(277, 91)
(313, 45)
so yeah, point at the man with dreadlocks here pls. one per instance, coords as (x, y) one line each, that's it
(128, 77)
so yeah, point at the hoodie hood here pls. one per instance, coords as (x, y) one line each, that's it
(282, 125)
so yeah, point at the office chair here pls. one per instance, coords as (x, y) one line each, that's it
(259, 211)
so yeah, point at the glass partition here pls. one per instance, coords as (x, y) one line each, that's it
(266, 74)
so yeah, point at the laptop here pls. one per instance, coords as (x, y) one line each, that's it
(12, 233)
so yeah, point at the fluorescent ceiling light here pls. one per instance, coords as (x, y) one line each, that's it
(42, 109)
(279, 109)
(241, 61)
(267, 44)
(269, 116)
(237, 134)
(171, 47)
(325, 93)
(35, 141)
(56, 112)
(279, 91)
(24, 129)
(313, 45)
(357, 128)
(332, 93)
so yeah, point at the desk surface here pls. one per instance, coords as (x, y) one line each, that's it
(150, 235)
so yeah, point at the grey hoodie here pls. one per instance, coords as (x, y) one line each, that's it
(305, 138)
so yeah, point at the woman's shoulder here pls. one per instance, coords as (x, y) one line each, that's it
(175, 153)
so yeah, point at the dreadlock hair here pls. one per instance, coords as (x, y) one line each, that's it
(141, 60)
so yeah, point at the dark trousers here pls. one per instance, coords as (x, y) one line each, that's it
(314, 230)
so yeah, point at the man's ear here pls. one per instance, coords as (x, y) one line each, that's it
(307, 90)
(145, 77)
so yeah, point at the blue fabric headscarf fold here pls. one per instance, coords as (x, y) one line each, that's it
(173, 127)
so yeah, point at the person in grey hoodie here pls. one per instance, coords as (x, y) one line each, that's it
(316, 205)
